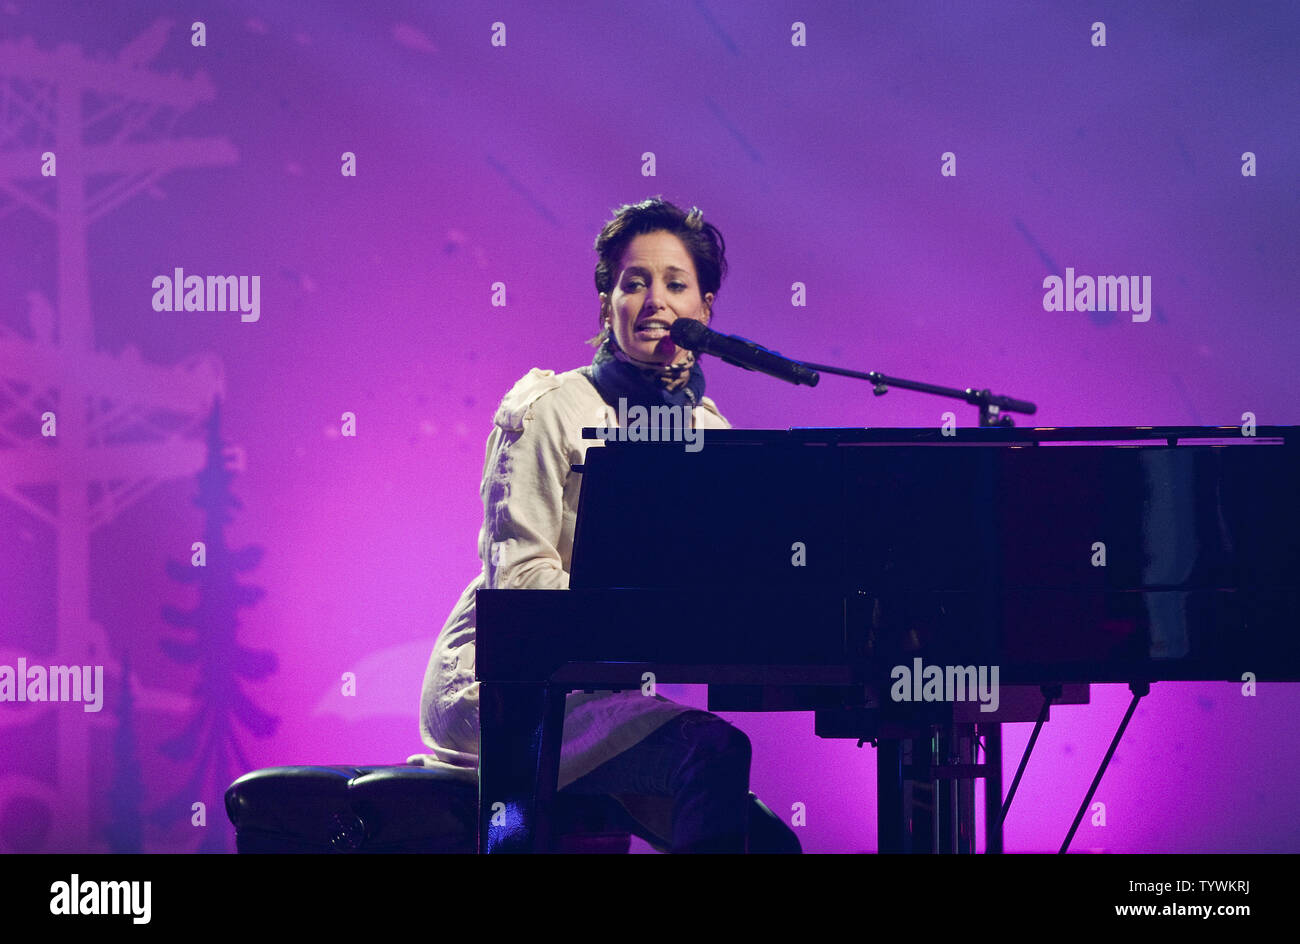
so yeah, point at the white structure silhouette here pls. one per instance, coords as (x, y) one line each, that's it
(123, 425)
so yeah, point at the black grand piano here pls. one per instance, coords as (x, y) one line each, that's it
(800, 569)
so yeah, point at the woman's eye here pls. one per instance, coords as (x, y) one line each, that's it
(632, 285)
(677, 286)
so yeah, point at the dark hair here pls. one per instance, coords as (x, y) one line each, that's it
(702, 240)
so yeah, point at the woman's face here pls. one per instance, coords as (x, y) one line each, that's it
(655, 285)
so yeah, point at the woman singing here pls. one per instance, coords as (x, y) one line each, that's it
(683, 774)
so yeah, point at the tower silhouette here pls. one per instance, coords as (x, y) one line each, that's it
(123, 426)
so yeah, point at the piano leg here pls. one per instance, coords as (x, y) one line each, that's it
(520, 729)
(992, 788)
(891, 827)
(905, 796)
(955, 787)
(921, 796)
(925, 791)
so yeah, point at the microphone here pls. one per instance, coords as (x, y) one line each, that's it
(690, 334)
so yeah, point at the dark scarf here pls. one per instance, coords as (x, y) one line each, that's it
(615, 375)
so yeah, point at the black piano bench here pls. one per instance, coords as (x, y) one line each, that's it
(389, 809)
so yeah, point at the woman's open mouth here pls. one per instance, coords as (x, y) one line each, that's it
(652, 330)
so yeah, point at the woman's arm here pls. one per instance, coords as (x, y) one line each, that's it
(528, 463)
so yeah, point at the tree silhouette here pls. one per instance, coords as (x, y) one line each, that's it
(211, 737)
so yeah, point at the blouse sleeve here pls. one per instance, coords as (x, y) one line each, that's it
(527, 465)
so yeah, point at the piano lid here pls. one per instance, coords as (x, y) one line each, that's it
(1116, 544)
(848, 435)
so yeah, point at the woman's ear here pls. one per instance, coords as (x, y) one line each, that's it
(708, 307)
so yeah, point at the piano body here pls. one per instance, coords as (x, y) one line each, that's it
(835, 558)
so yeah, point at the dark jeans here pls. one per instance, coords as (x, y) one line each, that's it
(702, 763)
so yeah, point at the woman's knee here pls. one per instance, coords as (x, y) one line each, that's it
(714, 742)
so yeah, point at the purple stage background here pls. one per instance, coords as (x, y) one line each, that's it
(480, 162)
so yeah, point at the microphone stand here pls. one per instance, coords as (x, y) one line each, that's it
(991, 405)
